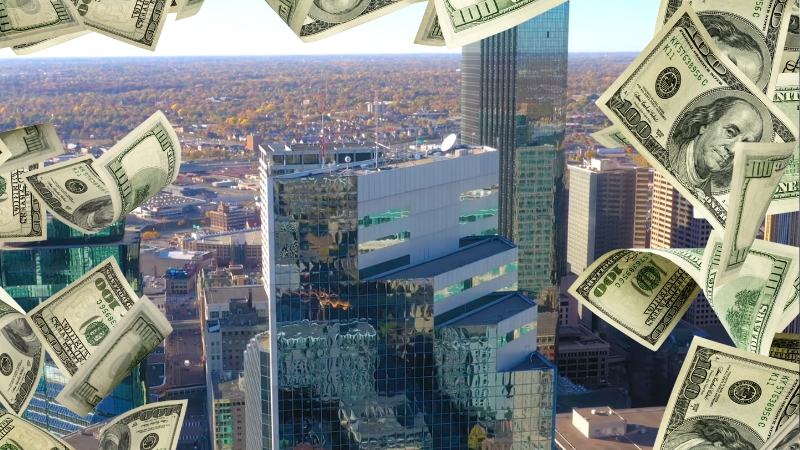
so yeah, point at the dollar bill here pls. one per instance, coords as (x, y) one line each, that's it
(751, 34)
(74, 193)
(312, 20)
(751, 306)
(137, 23)
(21, 357)
(128, 344)
(5, 153)
(144, 427)
(142, 164)
(611, 138)
(787, 98)
(30, 145)
(757, 169)
(29, 21)
(785, 347)
(188, 8)
(430, 33)
(22, 217)
(17, 433)
(791, 49)
(39, 45)
(727, 395)
(467, 21)
(75, 321)
(786, 438)
(643, 293)
(683, 104)
(790, 310)
(173, 7)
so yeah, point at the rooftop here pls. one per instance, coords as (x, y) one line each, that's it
(251, 236)
(465, 255)
(223, 295)
(501, 306)
(232, 389)
(87, 438)
(392, 162)
(535, 362)
(160, 200)
(641, 431)
(185, 255)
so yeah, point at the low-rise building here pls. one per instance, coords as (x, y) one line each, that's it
(604, 428)
(167, 206)
(231, 247)
(229, 217)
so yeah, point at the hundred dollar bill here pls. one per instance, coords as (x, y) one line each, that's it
(312, 20)
(757, 169)
(791, 49)
(144, 427)
(611, 138)
(5, 153)
(188, 8)
(73, 322)
(727, 395)
(21, 357)
(39, 45)
(22, 217)
(786, 438)
(35, 20)
(173, 7)
(30, 145)
(683, 104)
(430, 33)
(751, 306)
(17, 433)
(75, 193)
(643, 293)
(752, 34)
(142, 330)
(467, 21)
(137, 23)
(791, 310)
(142, 164)
(785, 347)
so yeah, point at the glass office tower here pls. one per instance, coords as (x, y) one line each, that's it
(513, 98)
(33, 272)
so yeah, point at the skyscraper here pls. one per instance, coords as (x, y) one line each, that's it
(784, 229)
(513, 98)
(393, 322)
(32, 272)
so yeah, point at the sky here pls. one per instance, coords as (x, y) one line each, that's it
(251, 27)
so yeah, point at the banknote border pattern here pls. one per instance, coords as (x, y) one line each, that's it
(168, 410)
(36, 210)
(34, 369)
(153, 23)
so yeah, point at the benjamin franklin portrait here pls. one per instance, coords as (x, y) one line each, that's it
(701, 147)
(95, 214)
(20, 335)
(707, 434)
(740, 47)
(338, 11)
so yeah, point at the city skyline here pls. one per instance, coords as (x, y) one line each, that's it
(254, 25)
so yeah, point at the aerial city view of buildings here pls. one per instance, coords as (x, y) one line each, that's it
(404, 293)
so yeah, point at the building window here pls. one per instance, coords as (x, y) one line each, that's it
(478, 215)
(516, 334)
(477, 280)
(383, 242)
(479, 193)
(388, 216)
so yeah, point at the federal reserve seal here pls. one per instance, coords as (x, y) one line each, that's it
(96, 332)
(744, 392)
(76, 186)
(648, 278)
(6, 364)
(668, 82)
(149, 442)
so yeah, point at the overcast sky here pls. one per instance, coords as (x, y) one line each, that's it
(251, 27)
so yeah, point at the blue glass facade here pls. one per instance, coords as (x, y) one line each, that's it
(32, 272)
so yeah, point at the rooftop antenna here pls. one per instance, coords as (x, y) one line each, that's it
(449, 142)
(376, 130)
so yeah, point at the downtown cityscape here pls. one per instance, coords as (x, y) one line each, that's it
(373, 251)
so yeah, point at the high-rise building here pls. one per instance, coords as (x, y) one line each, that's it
(608, 205)
(785, 229)
(32, 272)
(513, 98)
(673, 225)
(393, 323)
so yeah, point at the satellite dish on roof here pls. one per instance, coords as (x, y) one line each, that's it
(347, 159)
(448, 142)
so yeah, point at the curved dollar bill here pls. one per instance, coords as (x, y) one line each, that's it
(751, 307)
(188, 8)
(5, 153)
(750, 33)
(143, 329)
(610, 137)
(642, 292)
(791, 49)
(39, 45)
(757, 170)
(430, 32)
(30, 145)
(143, 427)
(137, 23)
(74, 322)
(725, 391)
(21, 357)
(22, 24)
(17, 433)
(22, 215)
(89, 195)
(683, 104)
(313, 20)
(785, 347)
(787, 437)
